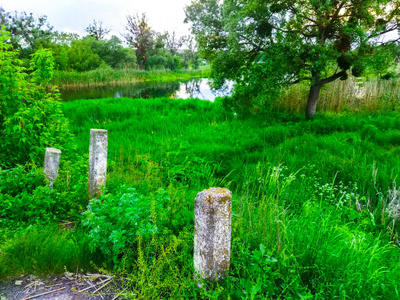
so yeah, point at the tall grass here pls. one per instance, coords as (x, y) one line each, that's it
(187, 137)
(311, 200)
(310, 217)
(104, 76)
(46, 250)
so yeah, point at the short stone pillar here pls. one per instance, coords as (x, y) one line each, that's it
(212, 233)
(51, 163)
(97, 161)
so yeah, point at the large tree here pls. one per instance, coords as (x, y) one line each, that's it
(265, 45)
(140, 36)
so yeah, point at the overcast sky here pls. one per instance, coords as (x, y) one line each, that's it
(75, 15)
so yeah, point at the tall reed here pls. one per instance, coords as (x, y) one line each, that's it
(349, 95)
(107, 76)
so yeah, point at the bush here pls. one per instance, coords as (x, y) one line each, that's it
(17, 180)
(115, 222)
(30, 116)
(41, 206)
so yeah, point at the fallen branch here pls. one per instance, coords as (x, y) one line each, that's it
(46, 293)
(49, 286)
(105, 280)
(102, 286)
(32, 283)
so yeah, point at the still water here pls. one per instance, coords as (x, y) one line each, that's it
(196, 88)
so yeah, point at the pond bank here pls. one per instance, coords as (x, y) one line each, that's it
(108, 77)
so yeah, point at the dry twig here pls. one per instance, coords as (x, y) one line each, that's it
(42, 294)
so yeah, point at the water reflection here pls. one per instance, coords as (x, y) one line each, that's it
(197, 88)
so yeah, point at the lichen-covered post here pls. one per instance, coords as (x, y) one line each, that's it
(212, 233)
(51, 163)
(97, 161)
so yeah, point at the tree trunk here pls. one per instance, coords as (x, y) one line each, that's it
(313, 100)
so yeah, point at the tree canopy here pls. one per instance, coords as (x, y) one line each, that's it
(27, 33)
(265, 45)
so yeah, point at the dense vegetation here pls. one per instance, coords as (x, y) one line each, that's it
(315, 202)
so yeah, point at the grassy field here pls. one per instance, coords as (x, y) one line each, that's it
(314, 202)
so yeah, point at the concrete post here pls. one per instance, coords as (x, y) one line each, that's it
(97, 161)
(212, 233)
(51, 163)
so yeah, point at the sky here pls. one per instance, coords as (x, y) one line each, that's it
(75, 15)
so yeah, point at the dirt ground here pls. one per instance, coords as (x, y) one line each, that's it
(66, 287)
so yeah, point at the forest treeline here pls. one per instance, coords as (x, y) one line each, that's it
(139, 47)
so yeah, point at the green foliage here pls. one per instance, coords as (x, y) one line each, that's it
(42, 67)
(115, 222)
(18, 180)
(26, 199)
(30, 116)
(41, 205)
(81, 56)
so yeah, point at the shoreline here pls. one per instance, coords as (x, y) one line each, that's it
(91, 79)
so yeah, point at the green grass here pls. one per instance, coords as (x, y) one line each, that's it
(43, 250)
(312, 217)
(183, 137)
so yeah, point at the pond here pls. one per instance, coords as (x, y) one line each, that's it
(195, 88)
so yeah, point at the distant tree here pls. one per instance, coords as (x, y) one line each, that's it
(140, 36)
(191, 57)
(173, 43)
(97, 30)
(112, 53)
(62, 58)
(265, 45)
(81, 56)
(27, 33)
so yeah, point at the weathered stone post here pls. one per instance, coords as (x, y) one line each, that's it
(97, 161)
(51, 163)
(212, 233)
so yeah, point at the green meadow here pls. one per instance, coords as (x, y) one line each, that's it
(314, 202)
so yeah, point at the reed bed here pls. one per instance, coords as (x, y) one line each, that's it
(349, 95)
(106, 76)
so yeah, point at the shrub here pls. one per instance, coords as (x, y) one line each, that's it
(40, 206)
(30, 116)
(115, 222)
